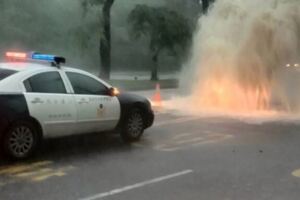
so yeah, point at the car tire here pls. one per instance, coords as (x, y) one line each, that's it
(21, 140)
(133, 127)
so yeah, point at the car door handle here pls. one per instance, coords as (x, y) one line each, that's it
(83, 101)
(36, 101)
(101, 106)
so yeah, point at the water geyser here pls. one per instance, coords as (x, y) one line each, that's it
(245, 56)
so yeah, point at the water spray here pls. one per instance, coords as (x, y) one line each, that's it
(239, 57)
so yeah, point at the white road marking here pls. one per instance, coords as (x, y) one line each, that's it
(137, 185)
(189, 141)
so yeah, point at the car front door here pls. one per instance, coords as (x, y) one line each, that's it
(49, 103)
(96, 109)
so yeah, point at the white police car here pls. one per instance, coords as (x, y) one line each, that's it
(41, 100)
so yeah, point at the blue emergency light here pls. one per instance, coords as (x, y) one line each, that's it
(49, 58)
(45, 57)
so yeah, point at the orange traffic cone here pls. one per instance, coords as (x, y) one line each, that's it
(156, 99)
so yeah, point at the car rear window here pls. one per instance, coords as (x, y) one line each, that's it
(4, 73)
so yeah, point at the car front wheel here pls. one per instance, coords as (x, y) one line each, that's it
(133, 126)
(21, 140)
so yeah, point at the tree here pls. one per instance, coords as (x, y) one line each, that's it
(205, 5)
(105, 35)
(189, 8)
(166, 30)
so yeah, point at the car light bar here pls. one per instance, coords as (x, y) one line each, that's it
(56, 60)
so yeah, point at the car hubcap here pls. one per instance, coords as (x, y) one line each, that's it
(21, 141)
(135, 125)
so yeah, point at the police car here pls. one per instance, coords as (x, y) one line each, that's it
(39, 99)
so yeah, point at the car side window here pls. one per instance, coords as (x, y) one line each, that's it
(83, 84)
(4, 73)
(47, 82)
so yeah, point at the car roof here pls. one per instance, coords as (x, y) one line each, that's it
(32, 66)
(22, 66)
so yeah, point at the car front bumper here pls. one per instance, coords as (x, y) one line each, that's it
(149, 119)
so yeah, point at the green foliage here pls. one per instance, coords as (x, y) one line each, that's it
(206, 4)
(82, 34)
(25, 25)
(86, 4)
(166, 29)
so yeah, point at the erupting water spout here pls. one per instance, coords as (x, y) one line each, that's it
(238, 62)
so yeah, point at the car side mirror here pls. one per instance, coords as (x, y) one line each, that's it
(113, 92)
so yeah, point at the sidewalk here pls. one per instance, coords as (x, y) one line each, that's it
(139, 85)
(166, 94)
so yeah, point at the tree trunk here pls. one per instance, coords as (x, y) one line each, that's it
(205, 6)
(105, 41)
(154, 72)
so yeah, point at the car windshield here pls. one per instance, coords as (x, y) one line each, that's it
(4, 73)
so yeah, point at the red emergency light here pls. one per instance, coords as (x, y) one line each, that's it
(16, 55)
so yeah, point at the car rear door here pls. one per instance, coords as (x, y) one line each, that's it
(96, 109)
(50, 103)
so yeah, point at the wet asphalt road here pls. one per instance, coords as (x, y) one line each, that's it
(179, 158)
